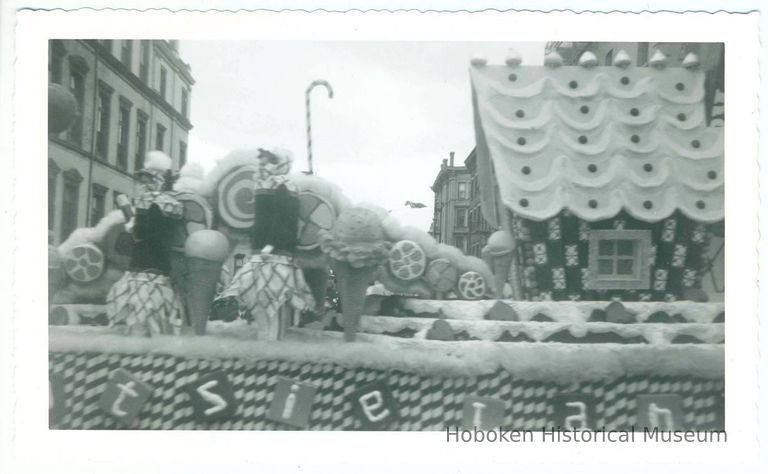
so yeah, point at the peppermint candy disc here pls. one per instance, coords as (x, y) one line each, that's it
(407, 260)
(315, 214)
(236, 200)
(84, 263)
(472, 286)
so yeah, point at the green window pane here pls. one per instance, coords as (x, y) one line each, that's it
(624, 267)
(605, 266)
(605, 247)
(625, 247)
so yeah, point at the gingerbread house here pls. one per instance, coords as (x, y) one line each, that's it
(609, 178)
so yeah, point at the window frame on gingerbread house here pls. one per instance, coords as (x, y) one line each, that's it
(640, 277)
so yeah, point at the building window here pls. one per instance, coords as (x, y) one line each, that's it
(619, 259)
(461, 217)
(144, 61)
(141, 139)
(77, 88)
(98, 203)
(184, 102)
(123, 133)
(163, 81)
(58, 51)
(126, 53)
(160, 137)
(70, 203)
(102, 126)
(182, 154)
(462, 190)
(460, 242)
(53, 176)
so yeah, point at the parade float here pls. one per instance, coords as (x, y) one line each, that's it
(610, 184)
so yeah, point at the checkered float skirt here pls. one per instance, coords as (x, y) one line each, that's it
(146, 304)
(266, 286)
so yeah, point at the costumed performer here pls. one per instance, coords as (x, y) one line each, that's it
(270, 288)
(144, 300)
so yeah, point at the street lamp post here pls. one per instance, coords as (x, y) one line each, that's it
(327, 85)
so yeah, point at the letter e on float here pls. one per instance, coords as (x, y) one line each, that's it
(374, 406)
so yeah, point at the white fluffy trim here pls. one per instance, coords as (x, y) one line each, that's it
(93, 235)
(561, 363)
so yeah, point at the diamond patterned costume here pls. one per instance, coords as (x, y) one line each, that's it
(144, 299)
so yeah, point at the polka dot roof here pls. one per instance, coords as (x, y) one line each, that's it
(598, 140)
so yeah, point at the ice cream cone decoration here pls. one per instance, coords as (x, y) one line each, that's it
(498, 254)
(206, 251)
(356, 247)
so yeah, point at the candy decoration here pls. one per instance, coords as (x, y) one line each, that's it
(292, 403)
(407, 260)
(483, 413)
(691, 61)
(84, 263)
(622, 59)
(662, 411)
(374, 406)
(553, 59)
(307, 94)
(197, 212)
(478, 61)
(315, 214)
(62, 108)
(658, 60)
(442, 275)
(124, 396)
(236, 201)
(574, 412)
(212, 397)
(588, 60)
(513, 58)
(472, 285)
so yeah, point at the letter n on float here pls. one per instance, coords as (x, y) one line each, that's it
(483, 413)
(124, 396)
(292, 403)
(212, 397)
(663, 412)
(374, 406)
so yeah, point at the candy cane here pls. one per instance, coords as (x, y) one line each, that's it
(319, 82)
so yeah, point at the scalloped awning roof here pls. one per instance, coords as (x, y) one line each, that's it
(598, 140)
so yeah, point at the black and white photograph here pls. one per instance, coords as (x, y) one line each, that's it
(562, 201)
(486, 236)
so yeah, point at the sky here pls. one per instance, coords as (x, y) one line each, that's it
(398, 110)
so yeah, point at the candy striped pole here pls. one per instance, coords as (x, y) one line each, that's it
(319, 82)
